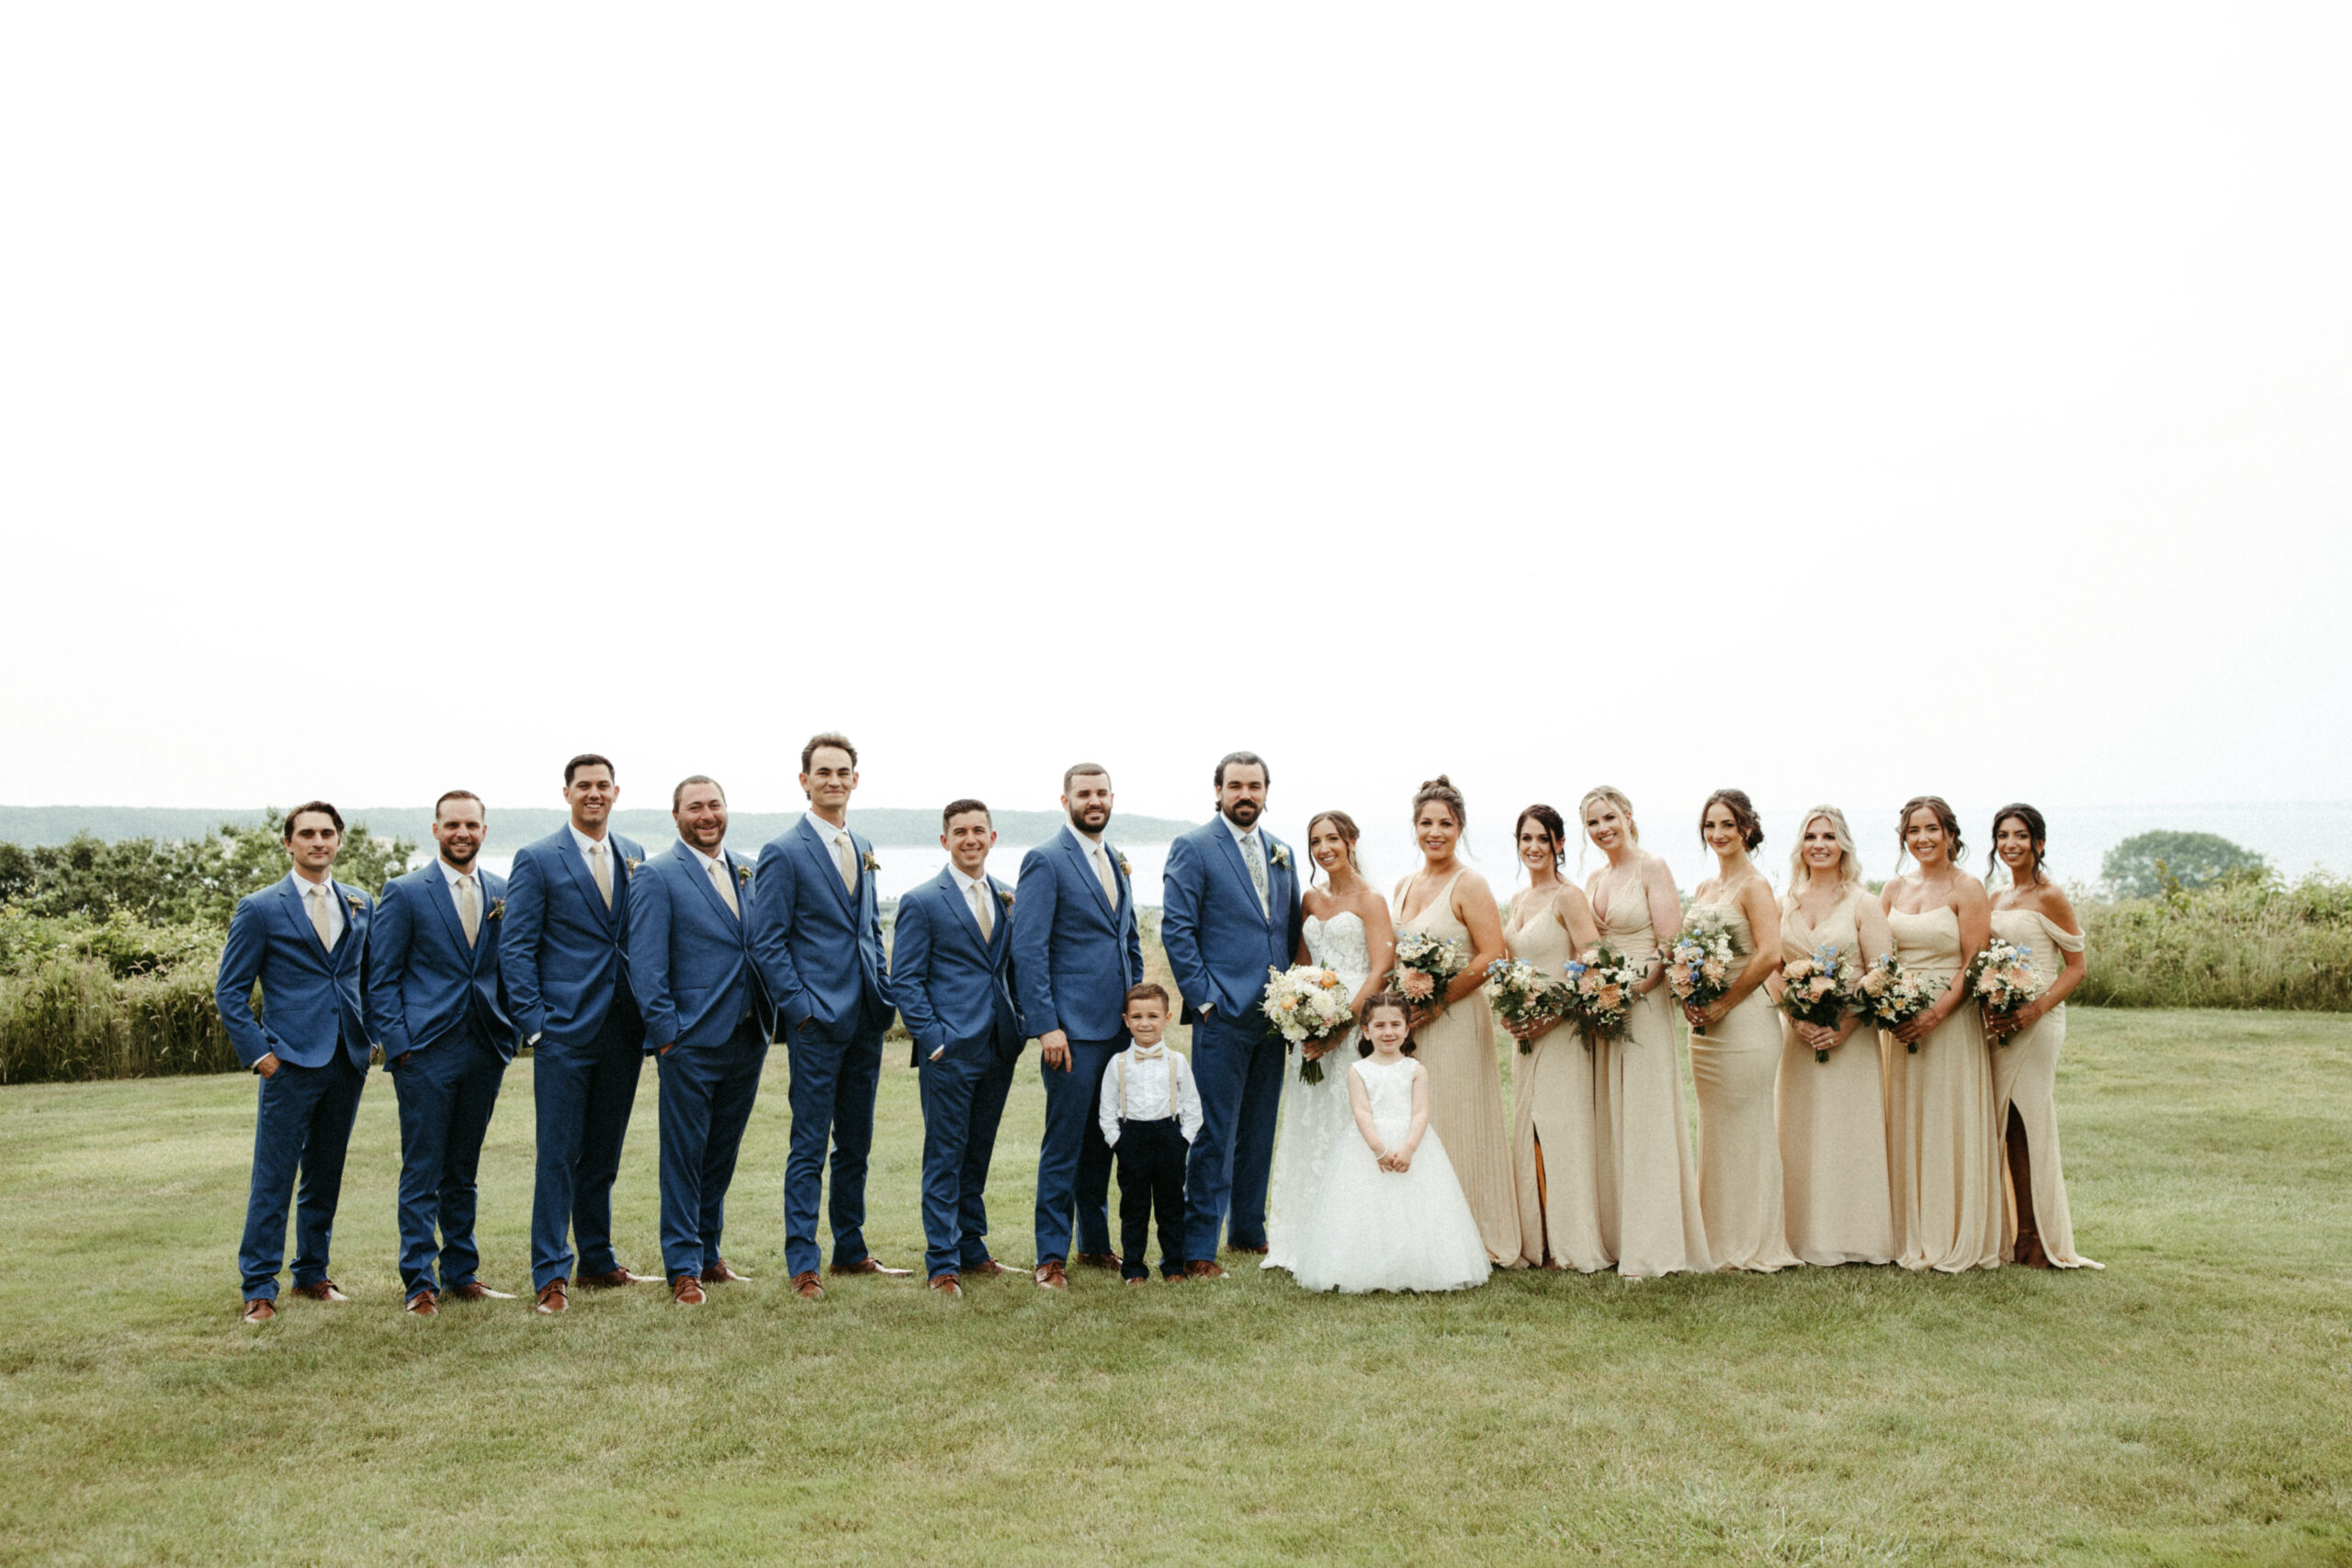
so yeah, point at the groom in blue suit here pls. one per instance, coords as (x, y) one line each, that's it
(564, 952)
(1232, 910)
(440, 1013)
(816, 937)
(706, 1018)
(950, 970)
(1076, 949)
(305, 939)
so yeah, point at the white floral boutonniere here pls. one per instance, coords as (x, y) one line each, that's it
(497, 908)
(871, 863)
(743, 877)
(1282, 855)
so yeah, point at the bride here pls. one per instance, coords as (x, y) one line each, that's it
(1347, 931)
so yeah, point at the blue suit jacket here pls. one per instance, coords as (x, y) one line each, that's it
(564, 955)
(1219, 942)
(689, 956)
(819, 950)
(952, 985)
(1073, 955)
(424, 983)
(311, 999)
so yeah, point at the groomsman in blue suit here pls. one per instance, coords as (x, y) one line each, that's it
(305, 939)
(707, 1017)
(950, 969)
(1230, 910)
(565, 955)
(440, 1014)
(1076, 949)
(817, 936)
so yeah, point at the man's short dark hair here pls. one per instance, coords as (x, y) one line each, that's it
(1242, 759)
(679, 794)
(833, 738)
(588, 760)
(956, 808)
(1150, 990)
(1080, 770)
(450, 795)
(306, 808)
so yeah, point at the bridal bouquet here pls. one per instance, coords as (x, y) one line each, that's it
(1522, 994)
(1600, 991)
(1422, 954)
(2002, 978)
(1818, 990)
(1891, 994)
(1704, 959)
(1307, 1004)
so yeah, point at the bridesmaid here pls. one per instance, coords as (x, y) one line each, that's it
(1649, 1193)
(1943, 1155)
(2033, 913)
(1551, 1136)
(1833, 1113)
(1735, 1052)
(1456, 1036)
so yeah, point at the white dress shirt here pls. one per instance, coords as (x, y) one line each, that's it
(715, 868)
(828, 833)
(1098, 860)
(1244, 839)
(335, 921)
(588, 854)
(455, 880)
(1144, 1080)
(977, 891)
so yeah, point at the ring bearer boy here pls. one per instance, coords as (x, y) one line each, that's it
(1151, 1113)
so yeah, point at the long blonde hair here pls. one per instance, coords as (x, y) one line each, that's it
(1849, 863)
(1615, 797)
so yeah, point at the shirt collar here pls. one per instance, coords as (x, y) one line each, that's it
(1146, 1053)
(718, 860)
(825, 830)
(302, 884)
(1238, 832)
(588, 845)
(969, 884)
(452, 875)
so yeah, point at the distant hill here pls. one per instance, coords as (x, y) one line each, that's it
(511, 826)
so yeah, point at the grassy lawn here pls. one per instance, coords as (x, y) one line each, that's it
(2189, 1405)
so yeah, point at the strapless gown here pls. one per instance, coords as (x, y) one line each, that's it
(1944, 1164)
(1457, 1046)
(1833, 1120)
(1317, 1118)
(2025, 1074)
(1650, 1220)
(1551, 1136)
(1733, 1065)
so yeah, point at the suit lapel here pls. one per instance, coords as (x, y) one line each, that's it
(821, 853)
(491, 895)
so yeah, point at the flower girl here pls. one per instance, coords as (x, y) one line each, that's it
(1391, 1216)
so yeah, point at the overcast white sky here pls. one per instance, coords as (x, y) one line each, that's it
(1838, 402)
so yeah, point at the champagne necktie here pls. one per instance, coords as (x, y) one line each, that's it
(1110, 880)
(726, 886)
(980, 901)
(321, 918)
(602, 869)
(468, 908)
(1255, 854)
(845, 856)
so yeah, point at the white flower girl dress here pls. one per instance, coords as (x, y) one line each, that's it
(1389, 1230)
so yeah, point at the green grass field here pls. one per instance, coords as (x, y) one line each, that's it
(2187, 1405)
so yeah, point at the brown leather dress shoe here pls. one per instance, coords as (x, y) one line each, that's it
(424, 1303)
(1097, 1260)
(718, 1273)
(614, 1279)
(805, 1285)
(475, 1290)
(988, 1265)
(1143, 1279)
(553, 1297)
(1201, 1269)
(870, 1266)
(947, 1285)
(1051, 1276)
(686, 1291)
(324, 1291)
(258, 1311)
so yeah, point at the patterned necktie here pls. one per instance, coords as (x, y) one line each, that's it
(602, 869)
(468, 908)
(321, 918)
(845, 857)
(726, 886)
(1255, 853)
(1106, 876)
(980, 902)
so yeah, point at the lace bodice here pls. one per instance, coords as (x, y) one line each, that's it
(1339, 944)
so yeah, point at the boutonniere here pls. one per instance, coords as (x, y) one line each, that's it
(630, 863)
(358, 903)
(871, 863)
(497, 908)
(743, 877)
(1004, 897)
(1124, 869)
(1282, 855)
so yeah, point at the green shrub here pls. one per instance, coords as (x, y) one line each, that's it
(2243, 942)
(2146, 864)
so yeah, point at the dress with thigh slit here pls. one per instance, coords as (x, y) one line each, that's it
(1550, 1137)
(2025, 1077)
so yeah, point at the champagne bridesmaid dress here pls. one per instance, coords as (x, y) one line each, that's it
(1649, 1192)
(1457, 1047)
(1733, 1064)
(1833, 1119)
(2025, 1074)
(1551, 1136)
(1944, 1162)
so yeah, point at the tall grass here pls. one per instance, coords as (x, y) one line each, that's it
(2240, 942)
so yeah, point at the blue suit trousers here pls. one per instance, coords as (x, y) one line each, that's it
(1240, 1073)
(585, 1096)
(303, 1127)
(446, 1094)
(832, 1100)
(1073, 1162)
(962, 1104)
(707, 1092)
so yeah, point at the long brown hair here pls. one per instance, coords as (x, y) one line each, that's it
(1348, 836)
(1946, 818)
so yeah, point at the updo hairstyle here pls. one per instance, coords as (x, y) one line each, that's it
(1348, 835)
(1550, 821)
(1946, 818)
(1743, 817)
(2036, 829)
(1441, 789)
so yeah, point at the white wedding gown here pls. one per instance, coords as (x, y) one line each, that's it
(1315, 1116)
(1389, 1230)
